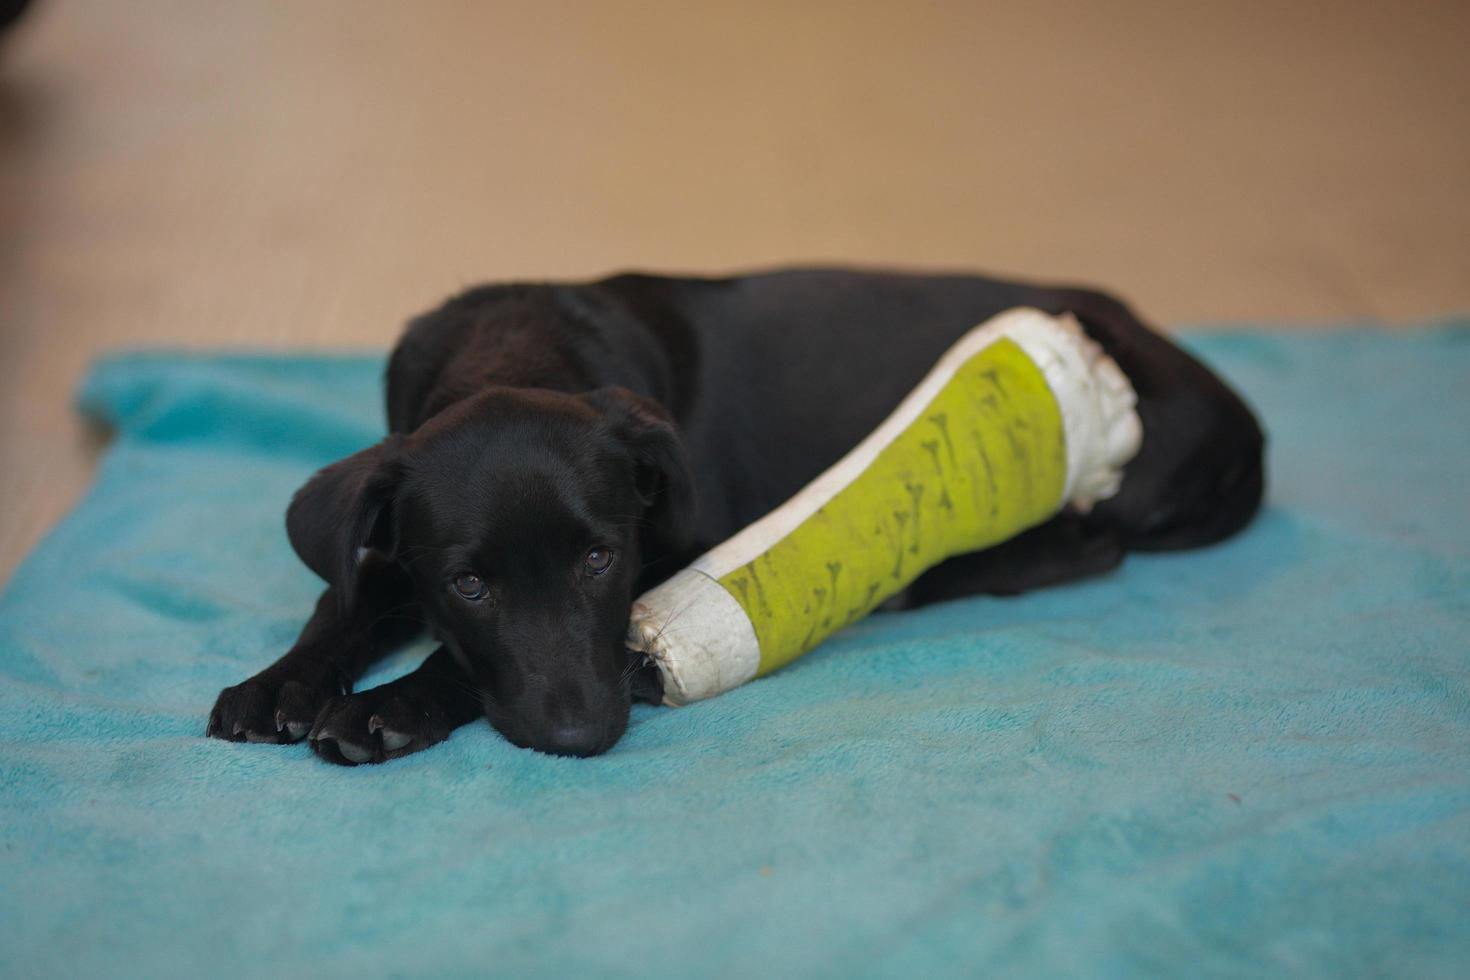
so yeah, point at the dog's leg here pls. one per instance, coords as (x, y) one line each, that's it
(1065, 548)
(398, 718)
(280, 703)
(1199, 476)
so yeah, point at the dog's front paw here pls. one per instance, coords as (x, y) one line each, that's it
(377, 725)
(274, 706)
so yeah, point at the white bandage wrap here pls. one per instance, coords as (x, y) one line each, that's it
(703, 642)
(1095, 398)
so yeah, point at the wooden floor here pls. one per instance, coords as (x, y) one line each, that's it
(309, 173)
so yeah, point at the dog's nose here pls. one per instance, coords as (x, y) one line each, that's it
(576, 740)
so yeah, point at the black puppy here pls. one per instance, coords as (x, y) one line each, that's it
(556, 449)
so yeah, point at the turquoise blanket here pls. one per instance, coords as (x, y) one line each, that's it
(1250, 759)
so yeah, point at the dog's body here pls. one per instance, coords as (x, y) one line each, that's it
(555, 449)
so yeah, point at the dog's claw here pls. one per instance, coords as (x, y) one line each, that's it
(393, 741)
(291, 730)
(354, 753)
(375, 726)
(262, 711)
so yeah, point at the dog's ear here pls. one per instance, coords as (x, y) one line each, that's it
(665, 483)
(343, 509)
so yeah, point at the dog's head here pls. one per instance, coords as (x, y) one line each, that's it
(522, 517)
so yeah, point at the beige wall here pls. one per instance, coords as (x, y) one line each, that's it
(309, 173)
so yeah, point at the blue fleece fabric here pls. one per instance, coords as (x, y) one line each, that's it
(1253, 758)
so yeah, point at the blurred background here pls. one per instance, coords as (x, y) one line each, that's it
(311, 173)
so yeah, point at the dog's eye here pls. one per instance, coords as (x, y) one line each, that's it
(470, 586)
(598, 560)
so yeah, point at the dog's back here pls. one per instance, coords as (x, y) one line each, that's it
(777, 374)
(773, 376)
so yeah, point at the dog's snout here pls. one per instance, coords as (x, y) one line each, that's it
(568, 720)
(580, 741)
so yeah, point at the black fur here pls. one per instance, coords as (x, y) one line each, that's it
(534, 428)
